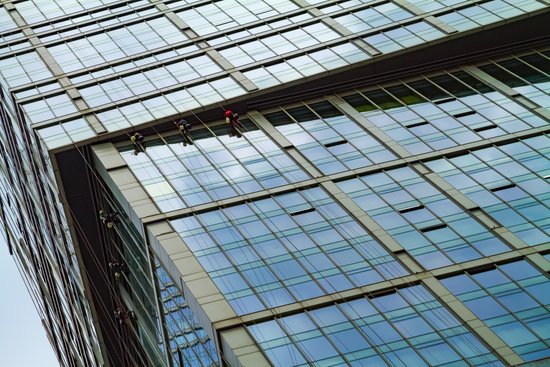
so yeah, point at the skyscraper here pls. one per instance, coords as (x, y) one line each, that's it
(382, 199)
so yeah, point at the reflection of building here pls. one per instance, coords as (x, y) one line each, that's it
(387, 203)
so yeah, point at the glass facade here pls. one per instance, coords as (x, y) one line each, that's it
(513, 301)
(118, 43)
(329, 139)
(409, 327)
(508, 182)
(290, 248)
(102, 45)
(23, 69)
(471, 17)
(35, 230)
(215, 17)
(285, 249)
(430, 226)
(527, 75)
(189, 344)
(215, 167)
(396, 220)
(442, 111)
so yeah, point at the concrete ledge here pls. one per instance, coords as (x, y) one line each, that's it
(108, 156)
(239, 350)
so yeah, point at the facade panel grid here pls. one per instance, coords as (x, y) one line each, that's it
(328, 139)
(215, 167)
(512, 300)
(36, 232)
(407, 328)
(431, 227)
(35, 11)
(319, 237)
(222, 15)
(523, 76)
(25, 68)
(189, 344)
(284, 249)
(88, 27)
(118, 43)
(442, 111)
(508, 182)
(487, 13)
(159, 33)
(189, 70)
(6, 21)
(372, 17)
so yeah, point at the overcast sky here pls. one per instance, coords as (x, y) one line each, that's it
(23, 341)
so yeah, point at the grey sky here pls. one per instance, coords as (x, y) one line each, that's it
(23, 341)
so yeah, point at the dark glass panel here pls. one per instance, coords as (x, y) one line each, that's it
(382, 99)
(325, 109)
(359, 103)
(472, 82)
(538, 61)
(405, 94)
(452, 85)
(278, 118)
(428, 90)
(301, 114)
(524, 71)
(502, 75)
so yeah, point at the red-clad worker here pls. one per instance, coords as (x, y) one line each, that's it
(232, 120)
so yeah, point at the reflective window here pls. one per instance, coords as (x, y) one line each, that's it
(259, 50)
(365, 19)
(72, 31)
(37, 90)
(167, 104)
(23, 69)
(406, 328)
(173, 4)
(189, 343)
(6, 46)
(6, 21)
(219, 16)
(285, 249)
(252, 31)
(216, 167)
(527, 75)
(67, 133)
(433, 229)
(509, 182)
(114, 44)
(306, 65)
(330, 140)
(431, 5)
(442, 111)
(34, 11)
(487, 13)
(403, 37)
(149, 81)
(49, 108)
(143, 63)
(337, 8)
(512, 300)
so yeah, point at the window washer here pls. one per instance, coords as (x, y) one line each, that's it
(139, 146)
(232, 120)
(109, 219)
(119, 316)
(185, 129)
(118, 269)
